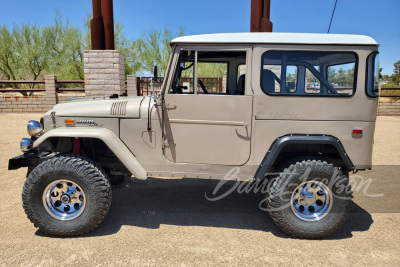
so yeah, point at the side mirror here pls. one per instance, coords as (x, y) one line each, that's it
(155, 74)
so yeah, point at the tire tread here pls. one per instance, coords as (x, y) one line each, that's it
(318, 166)
(90, 171)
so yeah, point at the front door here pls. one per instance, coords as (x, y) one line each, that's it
(207, 114)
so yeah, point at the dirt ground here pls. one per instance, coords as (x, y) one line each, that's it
(169, 222)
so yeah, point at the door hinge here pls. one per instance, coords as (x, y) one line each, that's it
(166, 143)
(53, 120)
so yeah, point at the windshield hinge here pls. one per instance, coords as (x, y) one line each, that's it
(53, 119)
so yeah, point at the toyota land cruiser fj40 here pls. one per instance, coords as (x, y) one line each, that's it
(296, 110)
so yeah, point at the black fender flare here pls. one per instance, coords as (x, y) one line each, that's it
(281, 142)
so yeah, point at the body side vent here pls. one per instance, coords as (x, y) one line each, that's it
(119, 108)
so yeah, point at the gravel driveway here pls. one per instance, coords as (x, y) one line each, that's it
(169, 222)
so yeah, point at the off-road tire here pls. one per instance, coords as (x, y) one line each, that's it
(278, 199)
(87, 175)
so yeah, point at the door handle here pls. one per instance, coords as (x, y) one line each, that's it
(170, 105)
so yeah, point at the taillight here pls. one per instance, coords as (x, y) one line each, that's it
(357, 132)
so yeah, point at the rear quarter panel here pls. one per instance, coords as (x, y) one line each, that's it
(275, 116)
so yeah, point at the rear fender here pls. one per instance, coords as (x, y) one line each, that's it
(281, 142)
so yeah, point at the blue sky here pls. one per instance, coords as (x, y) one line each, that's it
(378, 19)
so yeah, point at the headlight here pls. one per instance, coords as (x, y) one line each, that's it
(26, 144)
(34, 128)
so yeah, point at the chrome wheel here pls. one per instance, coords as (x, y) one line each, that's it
(311, 201)
(64, 200)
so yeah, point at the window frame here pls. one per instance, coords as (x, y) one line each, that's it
(355, 54)
(196, 76)
(297, 77)
(369, 72)
(172, 65)
(238, 71)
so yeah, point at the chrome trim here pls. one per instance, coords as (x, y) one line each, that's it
(64, 200)
(311, 201)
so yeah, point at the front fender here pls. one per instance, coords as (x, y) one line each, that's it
(108, 137)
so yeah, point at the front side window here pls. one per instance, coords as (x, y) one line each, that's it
(212, 72)
(212, 75)
(372, 89)
(309, 73)
(183, 82)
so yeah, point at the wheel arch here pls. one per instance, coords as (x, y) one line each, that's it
(120, 150)
(284, 142)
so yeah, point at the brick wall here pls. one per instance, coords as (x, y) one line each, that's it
(64, 98)
(389, 109)
(104, 72)
(24, 104)
(37, 103)
(131, 85)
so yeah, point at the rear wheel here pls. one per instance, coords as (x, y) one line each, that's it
(310, 199)
(67, 195)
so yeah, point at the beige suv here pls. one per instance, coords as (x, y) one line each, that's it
(294, 111)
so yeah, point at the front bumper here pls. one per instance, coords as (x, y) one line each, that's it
(25, 160)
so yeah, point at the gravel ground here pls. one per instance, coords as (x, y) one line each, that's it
(169, 222)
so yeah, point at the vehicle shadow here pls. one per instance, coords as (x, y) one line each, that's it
(183, 202)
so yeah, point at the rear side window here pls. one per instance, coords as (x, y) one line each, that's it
(309, 73)
(372, 89)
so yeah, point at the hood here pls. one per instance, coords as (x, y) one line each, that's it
(98, 107)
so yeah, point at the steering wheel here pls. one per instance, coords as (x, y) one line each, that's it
(203, 87)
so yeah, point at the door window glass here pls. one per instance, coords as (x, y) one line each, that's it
(217, 73)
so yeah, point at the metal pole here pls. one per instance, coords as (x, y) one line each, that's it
(266, 24)
(260, 16)
(108, 20)
(96, 8)
(97, 27)
(256, 14)
(266, 9)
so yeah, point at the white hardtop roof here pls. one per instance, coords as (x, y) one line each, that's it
(276, 38)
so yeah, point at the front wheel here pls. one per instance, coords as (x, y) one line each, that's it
(310, 199)
(67, 195)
